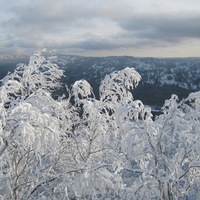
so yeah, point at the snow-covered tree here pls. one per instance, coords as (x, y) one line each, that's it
(162, 157)
(31, 126)
(88, 153)
(115, 88)
(40, 74)
(78, 147)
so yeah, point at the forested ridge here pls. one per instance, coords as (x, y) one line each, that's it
(77, 146)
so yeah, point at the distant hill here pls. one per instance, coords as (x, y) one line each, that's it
(9, 62)
(161, 77)
(13, 57)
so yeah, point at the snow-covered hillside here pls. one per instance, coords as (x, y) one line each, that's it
(160, 77)
(182, 72)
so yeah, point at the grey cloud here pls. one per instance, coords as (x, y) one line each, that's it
(44, 18)
(57, 16)
(47, 16)
(94, 44)
(87, 44)
(162, 28)
(33, 25)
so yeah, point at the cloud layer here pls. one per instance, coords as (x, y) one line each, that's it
(127, 27)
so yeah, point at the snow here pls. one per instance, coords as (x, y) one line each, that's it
(82, 147)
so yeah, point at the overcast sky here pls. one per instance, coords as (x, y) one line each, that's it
(158, 28)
